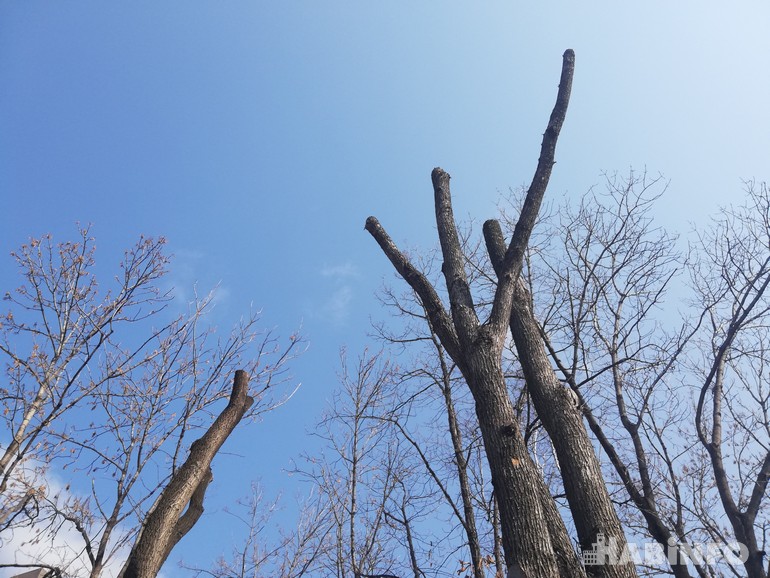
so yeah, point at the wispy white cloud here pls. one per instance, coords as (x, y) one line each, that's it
(188, 281)
(344, 270)
(336, 307)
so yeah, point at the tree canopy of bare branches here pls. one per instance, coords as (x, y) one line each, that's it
(106, 388)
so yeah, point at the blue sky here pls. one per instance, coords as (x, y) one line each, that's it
(257, 137)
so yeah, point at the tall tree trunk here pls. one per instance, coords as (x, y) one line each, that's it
(529, 518)
(592, 510)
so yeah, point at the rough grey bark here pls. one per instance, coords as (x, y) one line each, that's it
(535, 544)
(643, 500)
(592, 510)
(166, 524)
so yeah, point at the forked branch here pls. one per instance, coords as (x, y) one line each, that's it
(165, 525)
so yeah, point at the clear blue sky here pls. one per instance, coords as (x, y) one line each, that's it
(257, 137)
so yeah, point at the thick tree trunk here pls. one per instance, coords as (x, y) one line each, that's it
(165, 524)
(535, 540)
(592, 510)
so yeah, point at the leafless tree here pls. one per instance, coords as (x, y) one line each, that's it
(357, 473)
(180, 504)
(266, 549)
(57, 325)
(446, 447)
(731, 275)
(632, 370)
(535, 539)
(382, 501)
(103, 392)
(598, 291)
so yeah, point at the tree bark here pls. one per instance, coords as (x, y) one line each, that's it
(527, 543)
(535, 540)
(165, 524)
(592, 510)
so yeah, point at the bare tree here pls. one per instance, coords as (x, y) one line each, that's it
(57, 326)
(365, 512)
(599, 289)
(732, 415)
(180, 504)
(383, 496)
(266, 549)
(534, 537)
(604, 333)
(432, 385)
(92, 396)
(358, 472)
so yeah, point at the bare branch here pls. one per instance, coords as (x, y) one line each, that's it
(514, 255)
(161, 527)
